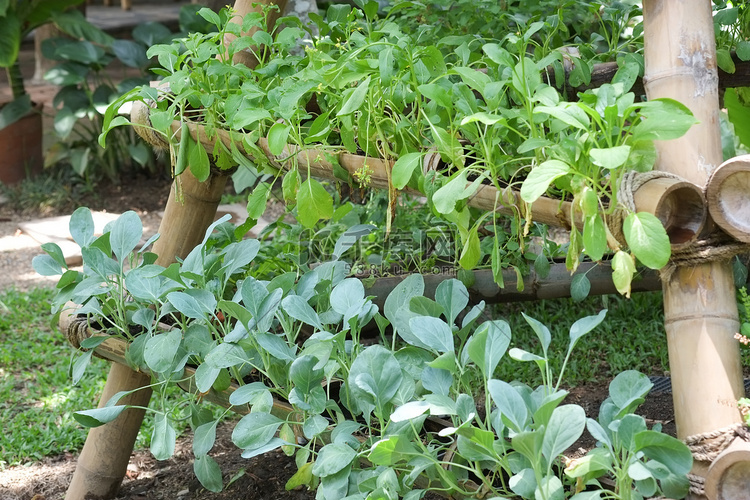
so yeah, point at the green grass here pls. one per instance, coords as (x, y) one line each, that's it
(37, 397)
(630, 338)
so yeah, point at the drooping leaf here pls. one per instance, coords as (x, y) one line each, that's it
(540, 178)
(313, 203)
(164, 437)
(647, 239)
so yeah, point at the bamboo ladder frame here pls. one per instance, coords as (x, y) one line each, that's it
(699, 336)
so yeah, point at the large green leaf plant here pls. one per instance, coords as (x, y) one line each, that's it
(414, 409)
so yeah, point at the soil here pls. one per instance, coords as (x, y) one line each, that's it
(262, 477)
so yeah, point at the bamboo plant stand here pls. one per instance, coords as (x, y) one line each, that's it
(699, 299)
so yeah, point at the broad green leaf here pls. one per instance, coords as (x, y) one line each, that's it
(205, 376)
(488, 345)
(161, 349)
(542, 332)
(623, 269)
(628, 387)
(46, 265)
(346, 294)
(610, 158)
(404, 168)
(224, 355)
(447, 196)
(194, 303)
(246, 393)
(584, 325)
(453, 296)
(82, 227)
(98, 416)
(482, 117)
(595, 463)
(350, 237)
(375, 376)
(570, 114)
(410, 410)
(392, 450)
(580, 286)
(255, 430)
(200, 166)
(333, 458)
(164, 437)
(304, 375)
(125, 234)
(594, 237)
(277, 137)
(208, 473)
(433, 332)
(204, 438)
(663, 119)
(540, 178)
(564, 428)
(647, 239)
(256, 202)
(523, 483)
(510, 404)
(298, 308)
(550, 488)
(526, 77)
(313, 203)
(354, 100)
(471, 251)
(412, 286)
(665, 449)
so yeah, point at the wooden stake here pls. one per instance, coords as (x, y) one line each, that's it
(699, 301)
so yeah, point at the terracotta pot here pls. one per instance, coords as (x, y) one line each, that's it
(21, 144)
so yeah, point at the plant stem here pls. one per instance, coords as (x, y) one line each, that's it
(16, 80)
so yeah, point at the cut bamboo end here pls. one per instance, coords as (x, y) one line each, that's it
(729, 475)
(728, 194)
(678, 204)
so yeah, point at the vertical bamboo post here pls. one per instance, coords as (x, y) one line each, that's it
(699, 301)
(105, 455)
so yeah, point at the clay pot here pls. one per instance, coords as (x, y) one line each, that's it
(21, 146)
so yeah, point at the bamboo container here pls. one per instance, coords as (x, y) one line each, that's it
(728, 194)
(699, 301)
(678, 204)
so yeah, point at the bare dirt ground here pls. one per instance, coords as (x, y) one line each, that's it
(263, 477)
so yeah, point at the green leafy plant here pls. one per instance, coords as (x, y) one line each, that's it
(19, 18)
(86, 89)
(643, 462)
(360, 419)
(488, 107)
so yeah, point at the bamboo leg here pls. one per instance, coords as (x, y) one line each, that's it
(699, 301)
(104, 458)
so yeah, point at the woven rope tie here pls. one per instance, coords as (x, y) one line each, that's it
(706, 447)
(78, 331)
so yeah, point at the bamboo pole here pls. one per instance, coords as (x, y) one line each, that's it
(728, 194)
(699, 300)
